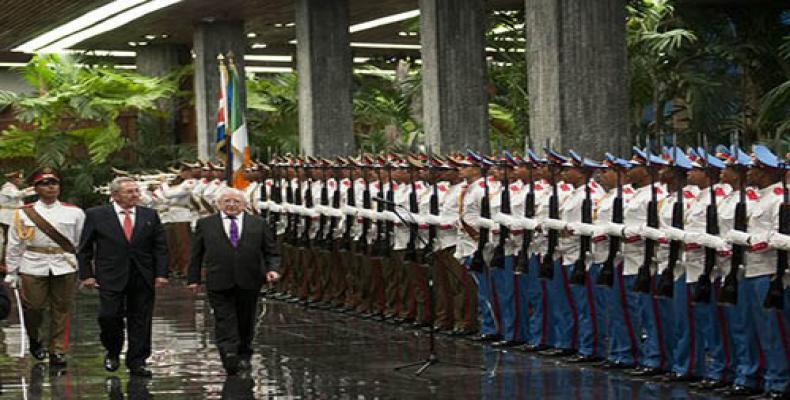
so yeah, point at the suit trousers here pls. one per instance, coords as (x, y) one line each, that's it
(53, 293)
(235, 311)
(136, 304)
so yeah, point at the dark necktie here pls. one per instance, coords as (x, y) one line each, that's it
(234, 231)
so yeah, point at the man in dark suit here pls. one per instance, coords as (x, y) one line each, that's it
(123, 253)
(239, 253)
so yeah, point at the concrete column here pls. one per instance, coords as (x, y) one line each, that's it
(324, 67)
(455, 105)
(159, 60)
(577, 73)
(210, 40)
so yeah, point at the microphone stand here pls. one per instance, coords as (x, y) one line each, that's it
(433, 357)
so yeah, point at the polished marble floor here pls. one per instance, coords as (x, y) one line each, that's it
(302, 354)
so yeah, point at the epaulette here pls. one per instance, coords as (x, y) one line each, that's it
(779, 191)
(565, 187)
(346, 183)
(687, 194)
(657, 190)
(752, 195)
(514, 187)
(719, 192)
(418, 185)
(628, 190)
(442, 188)
(537, 186)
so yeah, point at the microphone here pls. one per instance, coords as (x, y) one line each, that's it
(380, 199)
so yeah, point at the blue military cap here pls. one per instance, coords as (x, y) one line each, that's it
(534, 157)
(554, 156)
(677, 157)
(613, 161)
(641, 156)
(706, 159)
(734, 156)
(511, 159)
(764, 156)
(478, 158)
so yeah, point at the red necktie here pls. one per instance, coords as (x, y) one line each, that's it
(127, 225)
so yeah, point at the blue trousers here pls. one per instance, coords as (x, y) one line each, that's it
(756, 328)
(532, 304)
(688, 349)
(656, 319)
(563, 317)
(624, 319)
(487, 312)
(505, 297)
(713, 324)
(590, 303)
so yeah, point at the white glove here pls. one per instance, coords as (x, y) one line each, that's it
(779, 241)
(652, 233)
(502, 219)
(707, 240)
(582, 229)
(631, 230)
(348, 210)
(613, 229)
(274, 208)
(12, 279)
(673, 233)
(738, 237)
(486, 223)
(556, 224)
(526, 223)
(390, 216)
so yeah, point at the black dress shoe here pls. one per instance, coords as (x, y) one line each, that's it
(679, 378)
(612, 365)
(507, 343)
(557, 352)
(111, 363)
(583, 359)
(708, 384)
(533, 348)
(38, 351)
(486, 338)
(775, 394)
(646, 372)
(140, 371)
(742, 391)
(57, 360)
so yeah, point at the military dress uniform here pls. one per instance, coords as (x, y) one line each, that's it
(181, 214)
(11, 198)
(46, 271)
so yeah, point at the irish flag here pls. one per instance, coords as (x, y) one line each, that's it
(236, 127)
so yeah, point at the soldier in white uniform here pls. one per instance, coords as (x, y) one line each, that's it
(11, 195)
(41, 259)
(178, 195)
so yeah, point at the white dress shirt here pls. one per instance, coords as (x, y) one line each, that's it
(226, 223)
(121, 216)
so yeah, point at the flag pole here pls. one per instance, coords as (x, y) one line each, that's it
(228, 133)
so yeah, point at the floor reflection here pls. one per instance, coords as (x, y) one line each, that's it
(302, 354)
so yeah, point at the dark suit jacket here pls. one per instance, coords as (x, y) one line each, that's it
(104, 252)
(244, 266)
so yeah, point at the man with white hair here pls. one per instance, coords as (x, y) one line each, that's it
(239, 253)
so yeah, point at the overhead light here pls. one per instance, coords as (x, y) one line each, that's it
(77, 24)
(12, 64)
(125, 67)
(270, 58)
(164, 36)
(268, 69)
(142, 43)
(278, 25)
(383, 21)
(381, 72)
(109, 24)
(370, 45)
(504, 50)
(132, 44)
(150, 37)
(258, 45)
(103, 53)
(290, 24)
(361, 60)
(402, 33)
(252, 35)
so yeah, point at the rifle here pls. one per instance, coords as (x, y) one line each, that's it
(276, 197)
(350, 202)
(414, 208)
(333, 221)
(322, 222)
(729, 290)
(308, 203)
(704, 283)
(606, 275)
(498, 260)
(428, 252)
(382, 243)
(293, 196)
(585, 242)
(366, 204)
(547, 264)
(775, 296)
(643, 276)
(666, 282)
(529, 212)
(478, 263)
